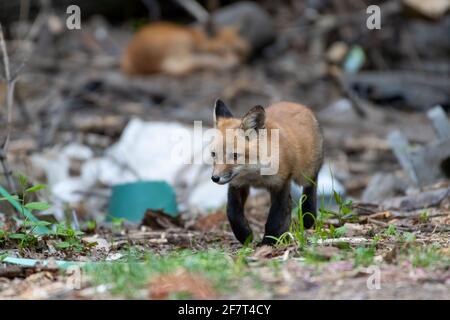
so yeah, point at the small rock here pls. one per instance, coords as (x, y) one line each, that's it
(101, 244)
(114, 256)
(337, 51)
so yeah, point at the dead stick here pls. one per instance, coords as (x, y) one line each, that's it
(10, 82)
(384, 224)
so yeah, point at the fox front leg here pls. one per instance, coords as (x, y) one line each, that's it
(235, 212)
(279, 218)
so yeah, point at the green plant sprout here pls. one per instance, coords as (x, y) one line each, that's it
(27, 234)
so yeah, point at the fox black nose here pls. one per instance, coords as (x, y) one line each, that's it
(215, 178)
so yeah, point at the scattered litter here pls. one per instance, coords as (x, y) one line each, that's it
(114, 256)
(34, 262)
(354, 60)
(131, 200)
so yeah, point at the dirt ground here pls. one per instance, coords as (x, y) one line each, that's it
(410, 265)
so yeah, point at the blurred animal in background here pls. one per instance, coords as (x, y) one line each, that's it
(221, 40)
(177, 50)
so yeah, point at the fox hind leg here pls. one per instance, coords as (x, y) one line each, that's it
(309, 206)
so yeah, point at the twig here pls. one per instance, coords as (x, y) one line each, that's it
(10, 82)
(7, 171)
(9, 87)
(386, 225)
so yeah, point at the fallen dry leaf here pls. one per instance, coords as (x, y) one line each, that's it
(157, 220)
(100, 243)
(353, 229)
(211, 221)
(326, 252)
(264, 252)
(181, 281)
(391, 255)
(381, 215)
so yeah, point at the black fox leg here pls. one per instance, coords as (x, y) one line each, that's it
(279, 218)
(235, 213)
(310, 205)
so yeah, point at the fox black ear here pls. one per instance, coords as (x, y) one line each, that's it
(221, 111)
(254, 119)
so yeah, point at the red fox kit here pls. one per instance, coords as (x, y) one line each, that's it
(175, 49)
(298, 157)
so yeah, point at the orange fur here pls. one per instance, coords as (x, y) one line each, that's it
(174, 49)
(300, 147)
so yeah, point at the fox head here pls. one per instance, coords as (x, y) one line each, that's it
(234, 149)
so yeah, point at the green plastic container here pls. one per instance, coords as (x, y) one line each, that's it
(131, 200)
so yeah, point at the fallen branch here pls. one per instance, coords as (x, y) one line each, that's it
(386, 225)
(427, 199)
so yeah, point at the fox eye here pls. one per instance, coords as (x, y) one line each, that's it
(213, 154)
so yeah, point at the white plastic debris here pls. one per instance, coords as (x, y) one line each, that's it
(146, 151)
(56, 165)
(326, 186)
(327, 182)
